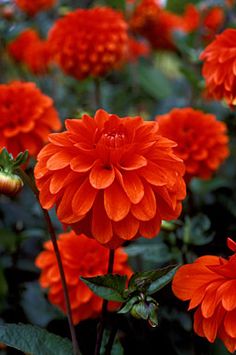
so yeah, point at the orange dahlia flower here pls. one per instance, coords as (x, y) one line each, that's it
(202, 140)
(157, 24)
(218, 67)
(29, 49)
(32, 7)
(89, 42)
(212, 22)
(111, 178)
(81, 256)
(210, 285)
(27, 117)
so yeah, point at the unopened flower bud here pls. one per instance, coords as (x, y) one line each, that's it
(10, 183)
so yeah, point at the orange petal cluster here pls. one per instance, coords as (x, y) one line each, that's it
(29, 49)
(32, 7)
(81, 256)
(157, 24)
(111, 178)
(219, 67)
(210, 285)
(89, 42)
(27, 117)
(202, 140)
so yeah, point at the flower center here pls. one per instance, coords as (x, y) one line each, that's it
(114, 139)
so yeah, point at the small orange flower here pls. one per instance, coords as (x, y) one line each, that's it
(157, 24)
(27, 117)
(210, 285)
(81, 256)
(32, 7)
(29, 49)
(111, 178)
(212, 22)
(89, 42)
(202, 140)
(219, 67)
(137, 49)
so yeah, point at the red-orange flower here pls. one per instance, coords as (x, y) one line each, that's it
(32, 7)
(89, 41)
(27, 117)
(219, 67)
(137, 49)
(157, 24)
(29, 49)
(81, 256)
(202, 140)
(212, 22)
(111, 178)
(210, 285)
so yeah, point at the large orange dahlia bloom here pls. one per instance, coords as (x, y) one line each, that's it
(111, 178)
(81, 256)
(210, 285)
(29, 49)
(32, 7)
(27, 117)
(219, 67)
(202, 140)
(89, 41)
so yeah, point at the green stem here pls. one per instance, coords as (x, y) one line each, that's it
(52, 233)
(101, 325)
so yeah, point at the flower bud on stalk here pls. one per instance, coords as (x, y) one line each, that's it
(10, 183)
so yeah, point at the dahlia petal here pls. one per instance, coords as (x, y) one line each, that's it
(47, 200)
(82, 163)
(84, 198)
(146, 208)
(64, 208)
(133, 186)
(127, 228)
(229, 323)
(84, 294)
(133, 162)
(116, 202)
(155, 175)
(229, 342)
(101, 177)
(60, 139)
(59, 160)
(211, 325)
(151, 228)
(210, 299)
(101, 117)
(198, 323)
(229, 296)
(101, 224)
(57, 180)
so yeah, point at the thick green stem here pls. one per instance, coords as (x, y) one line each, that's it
(101, 325)
(52, 233)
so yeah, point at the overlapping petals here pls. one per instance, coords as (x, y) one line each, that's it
(210, 285)
(202, 140)
(89, 42)
(111, 178)
(34, 6)
(219, 67)
(27, 117)
(81, 256)
(32, 51)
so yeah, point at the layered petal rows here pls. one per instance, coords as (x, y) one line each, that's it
(111, 178)
(202, 140)
(27, 116)
(89, 42)
(210, 286)
(219, 67)
(81, 256)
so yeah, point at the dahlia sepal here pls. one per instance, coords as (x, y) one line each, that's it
(146, 308)
(109, 287)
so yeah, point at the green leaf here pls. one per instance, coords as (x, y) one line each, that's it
(163, 280)
(178, 6)
(21, 158)
(116, 4)
(153, 82)
(109, 287)
(34, 340)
